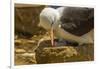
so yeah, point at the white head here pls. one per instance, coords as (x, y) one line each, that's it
(48, 17)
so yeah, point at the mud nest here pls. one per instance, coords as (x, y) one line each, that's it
(60, 54)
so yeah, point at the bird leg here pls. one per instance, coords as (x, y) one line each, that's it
(52, 36)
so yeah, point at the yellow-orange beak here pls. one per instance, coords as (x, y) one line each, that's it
(52, 36)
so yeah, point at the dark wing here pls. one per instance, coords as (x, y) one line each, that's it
(77, 21)
(55, 7)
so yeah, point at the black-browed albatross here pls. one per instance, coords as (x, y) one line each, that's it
(69, 23)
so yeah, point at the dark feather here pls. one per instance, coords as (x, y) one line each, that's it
(77, 20)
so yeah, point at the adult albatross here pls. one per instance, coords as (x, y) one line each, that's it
(69, 23)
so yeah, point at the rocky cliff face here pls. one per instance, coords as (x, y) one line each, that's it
(27, 19)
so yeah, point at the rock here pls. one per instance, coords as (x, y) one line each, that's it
(26, 20)
(26, 44)
(17, 42)
(24, 53)
(25, 59)
(19, 51)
